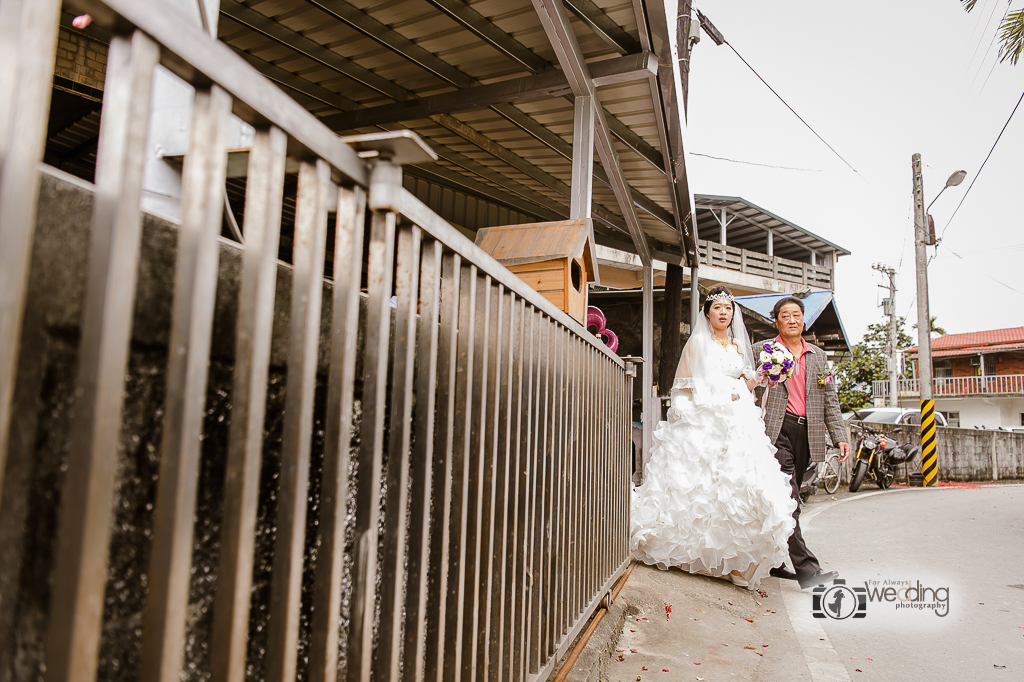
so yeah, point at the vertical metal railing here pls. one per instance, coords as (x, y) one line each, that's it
(498, 427)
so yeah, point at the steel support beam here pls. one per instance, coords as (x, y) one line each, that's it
(603, 26)
(556, 25)
(309, 48)
(548, 84)
(759, 226)
(404, 47)
(680, 208)
(557, 144)
(651, 409)
(297, 83)
(241, 14)
(487, 31)
(444, 176)
(582, 157)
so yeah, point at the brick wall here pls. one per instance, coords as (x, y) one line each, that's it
(81, 60)
(995, 363)
(1004, 363)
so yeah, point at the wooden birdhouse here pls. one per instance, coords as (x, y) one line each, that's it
(556, 259)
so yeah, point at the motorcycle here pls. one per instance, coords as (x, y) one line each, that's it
(824, 474)
(877, 456)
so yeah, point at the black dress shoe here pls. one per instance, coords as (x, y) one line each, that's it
(781, 572)
(819, 578)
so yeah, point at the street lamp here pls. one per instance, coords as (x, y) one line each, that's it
(929, 466)
(954, 180)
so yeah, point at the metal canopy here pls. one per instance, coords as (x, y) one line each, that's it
(482, 84)
(749, 225)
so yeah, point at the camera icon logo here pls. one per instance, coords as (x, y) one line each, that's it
(839, 602)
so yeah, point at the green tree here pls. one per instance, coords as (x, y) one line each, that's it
(854, 379)
(1011, 33)
(936, 329)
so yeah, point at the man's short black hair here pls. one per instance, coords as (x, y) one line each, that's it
(786, 301)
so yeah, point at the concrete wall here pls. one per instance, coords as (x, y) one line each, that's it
(966, 454)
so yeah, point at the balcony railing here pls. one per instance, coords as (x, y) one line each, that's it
(1000, 384)
(762, 265)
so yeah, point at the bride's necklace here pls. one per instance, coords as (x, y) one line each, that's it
(723, 342)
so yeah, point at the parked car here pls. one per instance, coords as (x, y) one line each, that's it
(891, 415)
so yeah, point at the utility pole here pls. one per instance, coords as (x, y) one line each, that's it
(889, 308)
(929, 465)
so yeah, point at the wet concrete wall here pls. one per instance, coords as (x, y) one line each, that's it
(44, 406)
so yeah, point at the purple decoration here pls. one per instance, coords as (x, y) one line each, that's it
(766, 366)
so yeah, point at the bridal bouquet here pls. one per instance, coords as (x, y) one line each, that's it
(776, 361)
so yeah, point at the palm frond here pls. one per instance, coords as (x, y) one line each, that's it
(1011, 35)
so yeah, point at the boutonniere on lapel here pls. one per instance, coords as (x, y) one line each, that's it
(825, 378)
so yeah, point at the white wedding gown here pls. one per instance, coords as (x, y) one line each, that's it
(714, 498)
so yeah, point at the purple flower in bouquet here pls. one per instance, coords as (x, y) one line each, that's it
(776, 361)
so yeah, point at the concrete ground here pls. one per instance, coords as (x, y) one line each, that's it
(717, 631)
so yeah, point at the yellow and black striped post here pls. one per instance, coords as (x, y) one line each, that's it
(929, 463)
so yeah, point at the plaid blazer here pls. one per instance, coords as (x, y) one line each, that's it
(822, 406)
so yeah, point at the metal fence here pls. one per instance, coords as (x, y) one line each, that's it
(999, 384)
(497, 427)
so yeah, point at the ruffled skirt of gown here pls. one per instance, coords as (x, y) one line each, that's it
(714, 498)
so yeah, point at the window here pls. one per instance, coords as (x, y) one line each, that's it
(943, 368)
(953, 419)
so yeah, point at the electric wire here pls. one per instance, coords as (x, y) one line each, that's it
(719, 39)
(988, 275)
(987, 157)
(981, 64)
(808, 125)
(752, 163)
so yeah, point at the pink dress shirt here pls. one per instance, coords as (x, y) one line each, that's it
(797, 384)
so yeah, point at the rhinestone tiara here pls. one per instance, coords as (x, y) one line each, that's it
(722, 296)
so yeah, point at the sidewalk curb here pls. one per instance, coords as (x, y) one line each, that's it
(593, 661)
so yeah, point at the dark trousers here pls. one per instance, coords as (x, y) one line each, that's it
(794, 455)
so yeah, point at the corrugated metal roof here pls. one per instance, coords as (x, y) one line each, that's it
(750, 228)
(337, 56)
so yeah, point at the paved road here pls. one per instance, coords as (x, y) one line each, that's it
(969, 540)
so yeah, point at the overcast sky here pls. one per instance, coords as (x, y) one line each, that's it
(879, 80)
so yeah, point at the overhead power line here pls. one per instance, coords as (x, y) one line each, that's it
(987, 157)
(719, 39)
(752, 163)
(988, 275)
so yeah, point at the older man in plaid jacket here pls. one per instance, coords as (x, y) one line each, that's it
(798, 413)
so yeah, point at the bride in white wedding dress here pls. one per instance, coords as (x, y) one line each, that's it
(714, 500)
